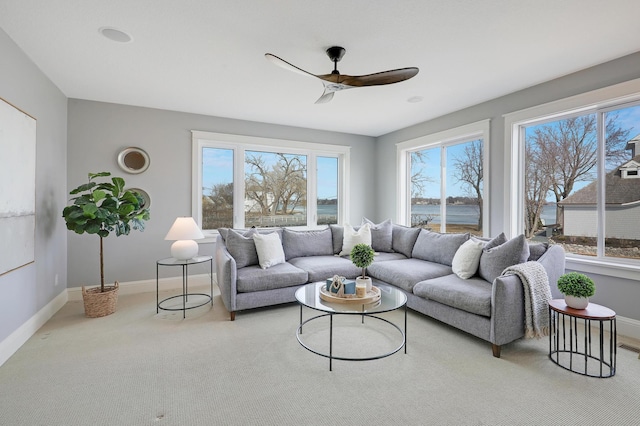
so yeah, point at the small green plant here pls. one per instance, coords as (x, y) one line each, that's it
(576, 284)
(102, 208)
(362, 257)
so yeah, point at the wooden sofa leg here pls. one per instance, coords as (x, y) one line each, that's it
(232, 315)
(496, 350)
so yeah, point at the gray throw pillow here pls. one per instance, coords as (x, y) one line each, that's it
(381, 235)
(536, 250)
(307, 243)
(496, 259)
(242, 247)
(403, 239)
(337, 235)
(436, 247)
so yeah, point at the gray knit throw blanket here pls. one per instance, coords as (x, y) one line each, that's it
(537, 294)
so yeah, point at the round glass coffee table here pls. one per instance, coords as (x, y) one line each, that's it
(391, 299)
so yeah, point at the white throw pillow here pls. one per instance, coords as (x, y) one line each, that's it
(269, 248)
(352, 237)
(467, 258)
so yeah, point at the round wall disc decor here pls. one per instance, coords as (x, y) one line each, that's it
(133, 160)
(145, 197)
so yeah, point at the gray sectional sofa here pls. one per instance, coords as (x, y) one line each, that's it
(488, 305)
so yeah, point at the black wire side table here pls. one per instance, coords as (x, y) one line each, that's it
(593, 358)
(170, 261)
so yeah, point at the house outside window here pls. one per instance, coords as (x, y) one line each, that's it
(443, 182)
(240, 182)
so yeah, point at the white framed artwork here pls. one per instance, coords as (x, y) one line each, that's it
(17, 187)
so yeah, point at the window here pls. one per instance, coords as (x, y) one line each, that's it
(575, 171)
(242, 182)
(443, 182)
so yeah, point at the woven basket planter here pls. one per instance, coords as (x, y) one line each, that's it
(99, 304)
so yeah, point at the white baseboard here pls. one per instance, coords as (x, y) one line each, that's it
(147, 286)
(628, 327)
(11, 344)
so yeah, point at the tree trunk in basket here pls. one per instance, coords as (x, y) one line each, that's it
(101, 268)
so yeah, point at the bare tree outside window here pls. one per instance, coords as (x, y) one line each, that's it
(275, 189)
(470, 173)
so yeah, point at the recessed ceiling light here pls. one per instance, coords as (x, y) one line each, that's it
(415, 99)
(115, 34)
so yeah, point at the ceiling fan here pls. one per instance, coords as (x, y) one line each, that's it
(335, 81)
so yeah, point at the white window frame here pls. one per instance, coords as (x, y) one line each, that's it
(514, 125)
(240, 144)
(466, 133)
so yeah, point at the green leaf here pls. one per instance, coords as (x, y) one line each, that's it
(98, 195)
(89, 210)
(83, 187)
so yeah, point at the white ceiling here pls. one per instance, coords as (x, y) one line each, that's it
(207, 56)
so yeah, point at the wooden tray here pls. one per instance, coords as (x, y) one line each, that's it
(372, 296)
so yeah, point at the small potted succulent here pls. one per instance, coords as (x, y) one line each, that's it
(577, 288)
(362, 257)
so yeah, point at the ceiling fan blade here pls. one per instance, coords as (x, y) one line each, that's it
(326, 97)
(286, 65)
(376, 79)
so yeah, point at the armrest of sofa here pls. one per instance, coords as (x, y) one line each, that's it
(553, 261)
(226, 275)
(507, 309)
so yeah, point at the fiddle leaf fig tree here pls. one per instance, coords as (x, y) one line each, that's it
(102, 206)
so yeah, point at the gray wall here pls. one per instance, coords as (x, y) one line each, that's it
(25, 291)
(98, 131)
(620, 294)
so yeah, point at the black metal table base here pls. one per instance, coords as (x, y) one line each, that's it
(565, 350)
(330, 355)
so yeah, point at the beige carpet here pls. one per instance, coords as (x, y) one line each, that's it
(139, 368)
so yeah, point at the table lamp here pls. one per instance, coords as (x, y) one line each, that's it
(183, 231)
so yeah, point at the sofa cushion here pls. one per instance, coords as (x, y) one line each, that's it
(496, 259)
(307, 243)
(353, 236)
(403, 239)
(320, 268)
(381, 235)
(472, 295)
(467, 258)
(253, 278)
(383, 257)
(406, 273)
(269, 248)
(436, 247)
(242, 247)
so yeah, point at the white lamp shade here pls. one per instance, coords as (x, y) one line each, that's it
(184, 230)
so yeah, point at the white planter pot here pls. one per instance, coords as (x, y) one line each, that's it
(576, 302)
(366, 281)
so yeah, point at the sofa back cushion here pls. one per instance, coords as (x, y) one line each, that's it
(436, 247)
(381, 235)
(403, 239)
(242, 247)
(496, 258)
(307, 243)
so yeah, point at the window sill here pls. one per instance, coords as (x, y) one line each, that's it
(620, 269)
